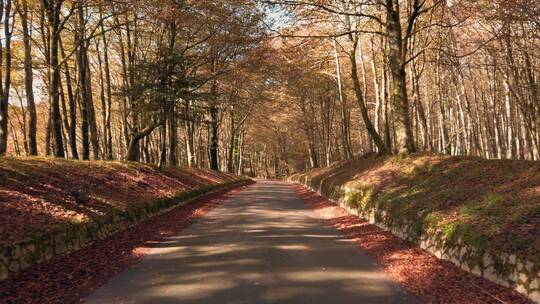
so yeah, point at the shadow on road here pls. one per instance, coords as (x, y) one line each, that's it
(262, 246)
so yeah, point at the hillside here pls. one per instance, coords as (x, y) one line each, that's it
(42, 195)
(494, 204)
(482, 215)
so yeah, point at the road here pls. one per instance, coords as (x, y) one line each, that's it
(264, 245)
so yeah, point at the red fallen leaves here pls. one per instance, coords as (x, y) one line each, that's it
(430, 279)
(496, 201)
(38, 195)
(68, 278)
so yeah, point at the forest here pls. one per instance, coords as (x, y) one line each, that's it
(268, 87)
(270, 151)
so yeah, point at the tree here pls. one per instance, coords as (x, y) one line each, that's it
(53, 9)
(29, 78)
(5, 82)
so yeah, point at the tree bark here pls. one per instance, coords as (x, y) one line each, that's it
(53, 9)
(396, 55)
(72, 133)
(29, 81)
(5, 9)
(374, 135)
(214, 143)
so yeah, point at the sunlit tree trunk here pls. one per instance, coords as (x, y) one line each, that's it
(5, 82)
(29, 80)
(72, 133)
(397, 61)
(362, 103)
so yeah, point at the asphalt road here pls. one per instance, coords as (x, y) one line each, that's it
(264, 245)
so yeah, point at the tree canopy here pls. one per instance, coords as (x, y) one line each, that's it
(268, 87)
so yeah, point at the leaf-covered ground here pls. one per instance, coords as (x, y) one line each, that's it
(492, 204)
(38, 195)
(67, 278)
(431, 280)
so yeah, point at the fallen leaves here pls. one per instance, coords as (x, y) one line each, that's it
(431, 280)
(40, 195)
(68, 278)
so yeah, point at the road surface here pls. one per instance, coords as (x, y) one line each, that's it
(264, 245)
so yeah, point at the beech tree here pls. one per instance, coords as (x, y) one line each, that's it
(5, 79)
(224, 85)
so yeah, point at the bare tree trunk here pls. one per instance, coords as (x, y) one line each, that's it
(189, 125)
(107, 132)
(72, 107)
(5, 9)
(346, 137)
(362, 104)
(232, 139)
(133, 147)
(214, 143)
(415, 83)
(82, 86)
(22, 122)
(29, 81)
(103, 100)
(240, 163)
(53, 9)
(405, 138)
(172, 135)
(91, 112)
(163, 137)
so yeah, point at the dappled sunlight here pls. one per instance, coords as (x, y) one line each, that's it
(68, 277)
(328, 274)
(292, 247)
(492, 203)
(255, 249)
(190, 291)
(431, 279)
(285, 293)
(40, 195)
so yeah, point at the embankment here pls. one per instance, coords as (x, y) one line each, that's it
(50, 207)
(482, 215)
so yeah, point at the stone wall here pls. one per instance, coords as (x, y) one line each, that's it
(72, 237)
(504, 269)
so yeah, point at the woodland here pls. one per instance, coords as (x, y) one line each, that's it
(268, 87)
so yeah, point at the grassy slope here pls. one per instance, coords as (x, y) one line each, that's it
(38, 195)
(494, 204)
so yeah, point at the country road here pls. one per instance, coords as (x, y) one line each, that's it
(264, 245)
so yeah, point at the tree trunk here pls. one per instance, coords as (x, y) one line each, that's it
(190, 135)
(107, 123)
(214, 163)
(83, 93)
(104, 107)
(214, 144)
(5, 9)
(172, 135)
(28, 81)
(72, 134)
(133, 147)
(240, 163)
(374, 135)
(232, 142)
(344, 110)
(396, 55)
(53, 15)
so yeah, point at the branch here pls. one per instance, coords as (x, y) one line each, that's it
(323, 7)
(337, 35)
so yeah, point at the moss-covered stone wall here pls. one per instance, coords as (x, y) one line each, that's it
(506, 269)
